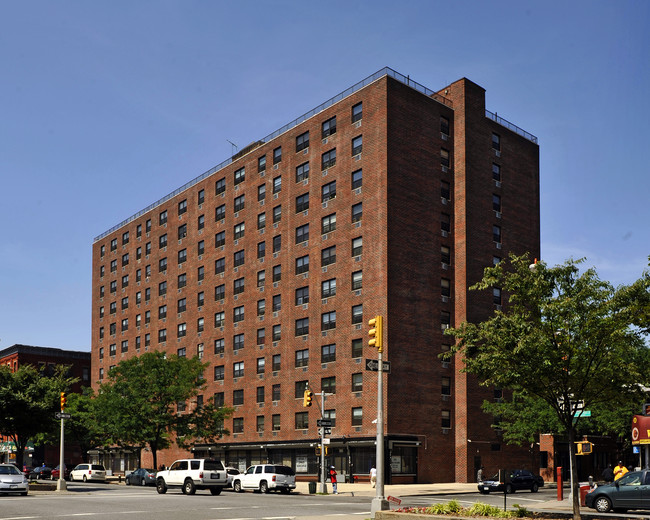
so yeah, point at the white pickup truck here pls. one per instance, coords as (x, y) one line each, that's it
(193, 474)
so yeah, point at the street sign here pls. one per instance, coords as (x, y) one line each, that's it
(61, 415)
(324, 422)
(584, 413)
(373, 365)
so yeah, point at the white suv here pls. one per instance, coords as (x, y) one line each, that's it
(266, 477)
(193, 474)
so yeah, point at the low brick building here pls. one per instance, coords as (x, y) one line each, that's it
(389, 199)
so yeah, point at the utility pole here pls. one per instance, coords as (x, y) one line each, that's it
(323, 485)
(379, 503)
(60, 484)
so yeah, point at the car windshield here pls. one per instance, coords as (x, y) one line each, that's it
(9, 470)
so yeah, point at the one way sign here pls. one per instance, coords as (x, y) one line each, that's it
(373, 365)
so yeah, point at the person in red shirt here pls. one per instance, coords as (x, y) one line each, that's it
(333, 479)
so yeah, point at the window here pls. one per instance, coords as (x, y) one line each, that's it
(261, 163)
(147, 248)
(148, 225)
(238, 314)
(302, 141)
(496, 234)
(182, 280)
(239, 230)
(357, 313)
(219, 292)
(277, 184)
(182, 207)
(444, 125)
(302, 233)
(328, 191)
(261, 307)
(240, 203)
(237, 397)
(261, 221)
(162, 218)
(357, 382)
(445, 416)
(277, 243)
(357, 280)
(125, 324)
(238, 286)
(302, 358)
(181, 330)
(276, 364)
(220, 239)
(357, 112)
(444, 191)
(238, 425)
(200, 299)
(125, 238)
(220, 213)
(260, 394)
(239, 258)
(138, 256)
(357, 246)
(444, 158)
(329, 127)
(240, 175)
(445, 223)
(496, 203)
(201, 197)
(277, 155)
(328, 256)
(277, 214)
(328, 320)
(445, 320)
(238, 369)
(302, 172)
(357, 145)
(125, 259)
(328, 353)
(302, 264)
(219, 319)
(445, 386)
(277, 332)
(328, 288)
(357, 212)
(125, 281)
(277, 302)
(496, 260)
(302, 420)
(302, 202)
(328, 159)
(277, 273)
(300, 387)
(328, 223)
(112, 350)
(496, 142)
(302, 295)
(302, 327)
(219, 399)
(162, 312)
(328, 384)
(112, 308)
(219, 346)
(261, 250)
(357, 416)
(275, 422)
(261, 336)
(201, 222)
(162, 265)
(445, 255)
(147, 317)
(200, 273)
(445, 287)
(162, 335)
(220, 186)
(113, 286)
(261, 192)
(182, 256)
(261, 278)
(113, 266)
(357, 179)
(357, 348)
(162, 288)
(496, 172)
(496, 296)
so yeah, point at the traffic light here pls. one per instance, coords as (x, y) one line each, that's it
(584, 448)
(308, 396)
(64, 400)
(376, 333)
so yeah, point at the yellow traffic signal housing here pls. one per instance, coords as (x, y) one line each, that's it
(307, 397)
(376, 332)
(64, 400)
(584, 448)
(318, 450)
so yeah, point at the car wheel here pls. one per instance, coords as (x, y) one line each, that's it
(85, 479)
(236, 486)
(143, 482)
(602, 504)
(264, 487)
(161, 487)
(535, 488)
(509, 489)
(188, 487)
(216, 490)
(127, 481)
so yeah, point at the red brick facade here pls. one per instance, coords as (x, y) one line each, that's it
(396, 194)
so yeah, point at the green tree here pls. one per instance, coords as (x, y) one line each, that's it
(29, 400)
(566, 339)
(145, 403)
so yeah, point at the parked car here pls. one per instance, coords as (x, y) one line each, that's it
(40, 473)
(141, 477)
(628, 492)
(193, 474)
(87, 472)
(266, 477)
(27, 470)
(232, 472)
(12, 480)
(66, 473)
(511, 481)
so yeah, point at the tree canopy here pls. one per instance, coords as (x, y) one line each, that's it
(565, 340)
(145, 403)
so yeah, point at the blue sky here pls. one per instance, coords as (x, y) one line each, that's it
(109, 106)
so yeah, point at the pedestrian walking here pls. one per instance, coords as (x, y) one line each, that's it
(373, 476)
(333, 479)
(479, 475)
(608, 474)
(619, 470)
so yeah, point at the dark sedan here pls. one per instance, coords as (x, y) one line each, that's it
(631, 491)
(511, 481)
(40, 473)
(141, 477)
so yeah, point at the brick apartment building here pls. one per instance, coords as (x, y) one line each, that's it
(389, 199)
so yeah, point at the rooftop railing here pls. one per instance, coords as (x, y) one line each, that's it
(510, 126)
